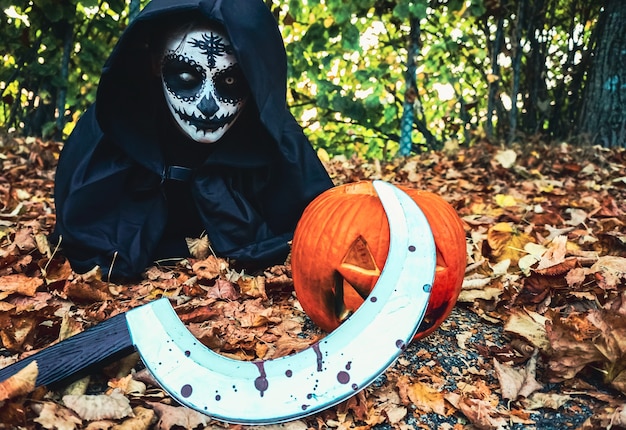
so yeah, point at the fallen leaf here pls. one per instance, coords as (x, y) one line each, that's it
(571, 343)
(505, 200)
(487, 293)
(545, 400)
(560, 268)
(23, 382)
(199, 247)
(506, 158)
(425, 398)
(529, 325)
(507, 242)
(88, 292)
(252, 286)
(534, 252)
(610, 271)
(209, 268)
(555, 254)
(20, 284)
(173, 417)
(577, 216)
(17, 330)
(223, 290)
(286, 345)
(516, 383)
(128, 385)
(193, 314)
(25, 240)
(99, 406)
(55, 417)
(55, 270)
(483, 414)
(142, 419)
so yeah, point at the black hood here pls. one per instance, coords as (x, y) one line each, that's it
(126, 93)
(130, 187)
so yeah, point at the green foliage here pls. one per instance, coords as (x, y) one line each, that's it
(347, 67)
(34, 36)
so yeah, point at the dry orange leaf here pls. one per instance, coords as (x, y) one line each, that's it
(142, 419)
(572, 346)
(128, 385)
(56, 269)
(25, 240)
(209, 268)
(483, 414)
(19, 284)
(56, 417)
(15, 333)
(95, 291)
(23, 382)
(172, 417)
(286, 345)
(252, 286)
(196, 314)
(423, 396)
(506, 242)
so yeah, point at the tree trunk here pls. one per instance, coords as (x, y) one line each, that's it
(133, 10)
(65, 73)
(494, 82)
(536, 99)
(408, 109)
(603, 116)
(517, 62)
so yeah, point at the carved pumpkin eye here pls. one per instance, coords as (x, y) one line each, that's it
(341, 243)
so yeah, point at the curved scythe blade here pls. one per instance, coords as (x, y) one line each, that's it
(328, 372)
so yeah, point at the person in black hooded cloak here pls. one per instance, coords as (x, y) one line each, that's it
(189, 134)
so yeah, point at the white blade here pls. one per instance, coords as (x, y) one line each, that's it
(328, 372)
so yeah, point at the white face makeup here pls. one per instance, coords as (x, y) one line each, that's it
(204, 87)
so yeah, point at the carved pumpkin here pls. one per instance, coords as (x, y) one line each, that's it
(340, 246)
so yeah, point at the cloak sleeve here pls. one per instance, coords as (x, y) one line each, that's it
(109, 209)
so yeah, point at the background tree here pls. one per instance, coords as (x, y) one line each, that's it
(603, 114)
(496, 69)
(53, 53)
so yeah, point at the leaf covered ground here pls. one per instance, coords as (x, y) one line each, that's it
(537, 340)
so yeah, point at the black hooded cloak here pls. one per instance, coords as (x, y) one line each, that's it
(130, 186)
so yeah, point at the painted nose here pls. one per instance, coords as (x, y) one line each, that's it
(208, 106)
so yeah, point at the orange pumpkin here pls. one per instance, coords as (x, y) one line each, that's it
(340, 246)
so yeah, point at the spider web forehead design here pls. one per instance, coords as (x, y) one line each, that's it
(212, 45)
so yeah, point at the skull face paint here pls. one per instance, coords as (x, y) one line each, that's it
(204, 86)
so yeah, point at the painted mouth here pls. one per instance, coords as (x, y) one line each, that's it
(207, 124)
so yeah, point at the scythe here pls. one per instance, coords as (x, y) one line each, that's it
(276, 390)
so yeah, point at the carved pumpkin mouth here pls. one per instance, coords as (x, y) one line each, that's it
(356, 276)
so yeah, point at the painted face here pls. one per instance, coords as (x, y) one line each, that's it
(204, 87)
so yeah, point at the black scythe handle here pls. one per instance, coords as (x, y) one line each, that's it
(78, 354)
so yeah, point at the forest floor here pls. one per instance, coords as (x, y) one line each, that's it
(537, 339)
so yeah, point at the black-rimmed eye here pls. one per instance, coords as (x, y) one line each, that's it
(182, 76)
(231, 85)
